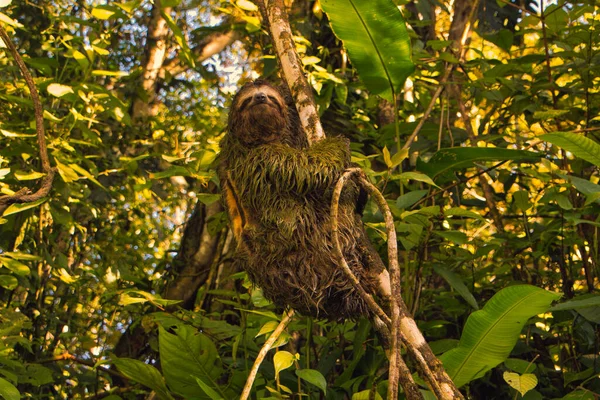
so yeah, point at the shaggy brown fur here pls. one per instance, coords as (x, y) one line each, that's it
(278, 192)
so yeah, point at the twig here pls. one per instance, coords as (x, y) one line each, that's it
(263, 352)
(279, 27)
(435, 96)
(24, 195)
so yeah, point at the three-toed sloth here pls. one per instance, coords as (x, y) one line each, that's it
(277, 192)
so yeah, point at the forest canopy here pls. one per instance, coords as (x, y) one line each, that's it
(478, 121)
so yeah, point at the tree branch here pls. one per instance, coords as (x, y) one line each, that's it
(277, 21)
(24, 195)
(263, 352)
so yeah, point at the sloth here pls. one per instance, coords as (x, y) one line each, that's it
(277, 191)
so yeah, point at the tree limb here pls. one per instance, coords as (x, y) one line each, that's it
(277, 21)
(263, 352)
(24, 195)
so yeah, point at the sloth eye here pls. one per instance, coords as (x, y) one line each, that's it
(245, 103)
(275, 101)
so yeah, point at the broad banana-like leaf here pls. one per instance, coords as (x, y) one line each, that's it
(491, 333)
(375, 35)
(577, 144)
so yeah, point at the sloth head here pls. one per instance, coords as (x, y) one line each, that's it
(260, 114)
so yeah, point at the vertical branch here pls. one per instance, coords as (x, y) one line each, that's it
(283, 40)
(263, 352)
(24, 195)
(156, 50)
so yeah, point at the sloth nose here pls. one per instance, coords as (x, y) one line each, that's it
(260, 97)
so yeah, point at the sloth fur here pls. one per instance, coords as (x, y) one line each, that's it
(277, 192)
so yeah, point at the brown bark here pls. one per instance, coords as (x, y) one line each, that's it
(211, 45)
(276, 18)
(156, 49)
(196, 256)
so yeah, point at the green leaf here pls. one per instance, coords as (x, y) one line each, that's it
(577, 303)
(102, 13)
(457, 284)
(15, 266)
(208, 390)
(8, 391)
(103, 72)
(187, 355)
(208, 198)
(8, 21)
(366, 395)
(386, 157)
(522, 383)
(454, 158)
(267, 328)
(283, 360)
(491, 333)
(17, 208)
(8, 282)
(579, 145)
(58, 90)
(27, 176)
(143, 373)
(521, 199)
(416, 176)
(185, 53)
(410, 198)
(375, 35)
(456, 237)
(461, 212)
(314, 377)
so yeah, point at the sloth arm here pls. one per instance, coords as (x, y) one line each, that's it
(301, 170)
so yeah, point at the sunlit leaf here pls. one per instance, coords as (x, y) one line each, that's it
(8, 391)
(17, 208)
(102, 72)
(15, 266)
(246, 5)
(27, 176)
(415, 176)
(267, 328)
(58, 90)
(5, 3)
(9, 21)
(102, 13)
(522, 383)
(283, 360)
(577, 144)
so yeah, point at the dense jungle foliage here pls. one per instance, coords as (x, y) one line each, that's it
(119, 284)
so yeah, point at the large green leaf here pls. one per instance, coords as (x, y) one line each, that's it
(579, 145)
(187, 355)
(145, 374)
(491, 333)
(375, 35)
(454, 158)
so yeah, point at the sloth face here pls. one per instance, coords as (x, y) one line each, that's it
(259, 114)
